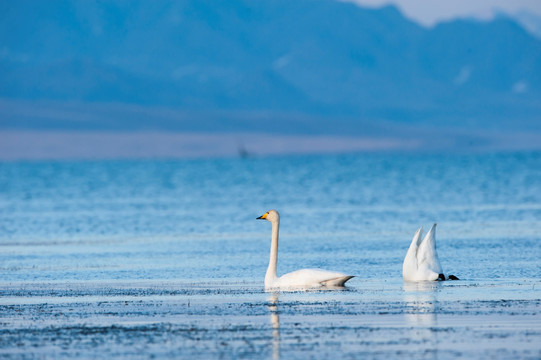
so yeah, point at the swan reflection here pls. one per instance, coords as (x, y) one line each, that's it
(421, 314)
(275, 323)
(420, 298)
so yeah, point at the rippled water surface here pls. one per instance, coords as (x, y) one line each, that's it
(136, 259)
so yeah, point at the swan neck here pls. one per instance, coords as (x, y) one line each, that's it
(271, 270)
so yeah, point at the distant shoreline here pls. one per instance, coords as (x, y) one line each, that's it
(87, 145)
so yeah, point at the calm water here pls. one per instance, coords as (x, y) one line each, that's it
(165, 258)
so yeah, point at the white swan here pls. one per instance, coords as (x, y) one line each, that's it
(421, 262)
(305, 278)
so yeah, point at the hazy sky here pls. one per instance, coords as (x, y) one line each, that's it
(430, 12)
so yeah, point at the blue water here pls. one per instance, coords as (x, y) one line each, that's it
(196, 219)
(165, 257)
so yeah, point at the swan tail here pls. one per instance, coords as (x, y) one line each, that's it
(339, 281)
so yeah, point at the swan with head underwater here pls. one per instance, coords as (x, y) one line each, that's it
(305, 278)
(421, 262)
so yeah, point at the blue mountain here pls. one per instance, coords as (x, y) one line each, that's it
(304, 66)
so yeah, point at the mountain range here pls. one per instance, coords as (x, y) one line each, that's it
(291, 67)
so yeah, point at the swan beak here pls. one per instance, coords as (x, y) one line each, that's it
(263, 217)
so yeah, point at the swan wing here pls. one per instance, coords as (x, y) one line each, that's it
(409, 266)
(427, 256)
(339, 281)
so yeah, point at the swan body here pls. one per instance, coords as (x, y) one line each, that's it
(309, 278)
(305, 278)
(421, 262)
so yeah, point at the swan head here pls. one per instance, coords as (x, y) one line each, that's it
(271, 215)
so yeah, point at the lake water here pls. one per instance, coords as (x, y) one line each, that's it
(135, 259)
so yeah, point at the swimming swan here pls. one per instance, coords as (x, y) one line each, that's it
(305, 278)
(421, 262)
